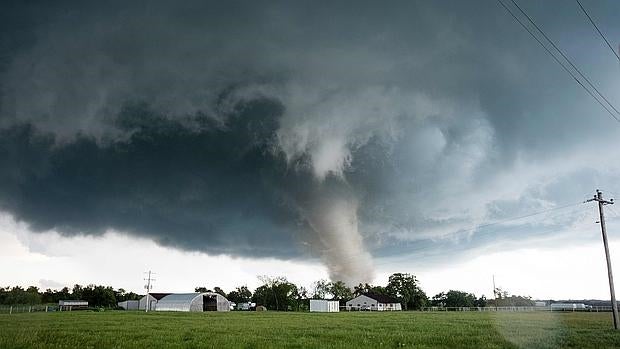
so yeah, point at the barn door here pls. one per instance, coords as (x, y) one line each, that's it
(209, 303)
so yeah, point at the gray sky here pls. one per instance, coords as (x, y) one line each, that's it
(352, 139)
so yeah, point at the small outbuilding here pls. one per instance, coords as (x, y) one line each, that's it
(374, 302)
(205, 301)
(324, 306)
(129, 305)
(72, 305)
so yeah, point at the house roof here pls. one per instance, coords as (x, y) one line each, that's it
(159, 296)
(381, 298)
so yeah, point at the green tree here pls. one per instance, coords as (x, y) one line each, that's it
(240, 295)
(219, 291)
(321, 289)
(340, 291)
(405, 288)
(277, 294)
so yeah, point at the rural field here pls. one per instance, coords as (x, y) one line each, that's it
(116, 329)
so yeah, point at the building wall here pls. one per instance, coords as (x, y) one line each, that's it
(362, 302)
(324, 306)
(143, 302)
(129, 305)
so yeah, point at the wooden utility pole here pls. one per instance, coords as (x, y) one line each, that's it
(148, 288)
(494, 293)
(598, 197)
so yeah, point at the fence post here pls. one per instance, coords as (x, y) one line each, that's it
(30, 309)
(11, 310)
(46, 308)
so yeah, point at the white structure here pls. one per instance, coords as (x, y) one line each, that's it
(206, 301)
(568, 306)
(72, 305)
(373, 302)
(129, 305)
(540, 304)
(151, 300)
(245, 306)
(324, 306)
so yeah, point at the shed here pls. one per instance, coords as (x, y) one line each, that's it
(324, 306)
(129, 305)
(374, 302)
(205, 301)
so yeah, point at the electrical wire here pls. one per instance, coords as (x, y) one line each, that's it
(565, 57)
(557, 60)
(598, 30)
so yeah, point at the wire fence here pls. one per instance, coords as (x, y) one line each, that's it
(21, 308)
(522, 309)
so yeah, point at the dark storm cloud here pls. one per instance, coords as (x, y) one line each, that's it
(248, 128)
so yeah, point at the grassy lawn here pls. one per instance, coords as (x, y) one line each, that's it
(116, 329)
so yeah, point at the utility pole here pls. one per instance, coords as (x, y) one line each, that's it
(598, 197)
(148, 288)
(494, 293)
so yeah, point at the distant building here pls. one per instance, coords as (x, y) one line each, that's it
(129, 305)
(540, 304)
(373, 302)
(72, 305)
(205, 301)
(324, 306)
(245, 306)
(151, 300)
(568, 306)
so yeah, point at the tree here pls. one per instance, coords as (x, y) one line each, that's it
(219, 291)
(321, 289)
(454, 299)
(340, 291)
(277, 294)
(240, 295)
(201, 289)
(367, 288)
(404, 287)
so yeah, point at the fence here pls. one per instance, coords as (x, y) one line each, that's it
(21, 308)
(521, 309)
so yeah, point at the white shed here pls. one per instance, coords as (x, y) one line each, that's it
(373, 302)
(206, 301)
(324, 306)
(129, 305)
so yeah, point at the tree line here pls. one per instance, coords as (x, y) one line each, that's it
(277, 293)
(95, 295)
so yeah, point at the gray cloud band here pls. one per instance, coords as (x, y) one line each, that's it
(248, 129)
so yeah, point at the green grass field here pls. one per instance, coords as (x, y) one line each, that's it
(118, 329)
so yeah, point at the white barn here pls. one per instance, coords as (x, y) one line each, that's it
(205, 301)
(324, 306)
(373, 302)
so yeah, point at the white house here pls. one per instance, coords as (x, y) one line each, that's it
(324, 306)
(373, 302)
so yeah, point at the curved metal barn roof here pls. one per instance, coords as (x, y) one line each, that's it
(190, 302)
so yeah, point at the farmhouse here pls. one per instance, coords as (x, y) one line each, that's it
(374, 302)
(205, 301)
(324, 306)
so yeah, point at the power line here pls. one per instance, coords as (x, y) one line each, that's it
(557, 60)
(565, 57)
(598, 30)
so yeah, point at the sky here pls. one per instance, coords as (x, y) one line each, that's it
(213, 143)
